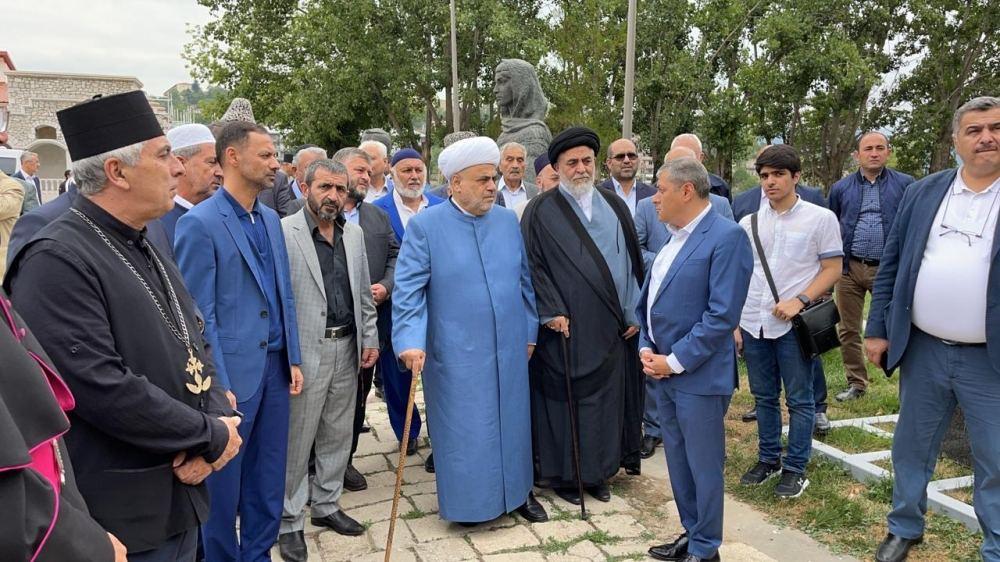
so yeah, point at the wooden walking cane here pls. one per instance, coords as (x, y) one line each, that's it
(573, 433)
(399, 466)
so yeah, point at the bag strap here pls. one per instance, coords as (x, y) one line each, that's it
(763, 260)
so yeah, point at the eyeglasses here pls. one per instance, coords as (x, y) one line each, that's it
(968, 234)
(624, 155)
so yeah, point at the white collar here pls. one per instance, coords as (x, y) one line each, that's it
(399, 200)
(959, 186)
(503, 185)
(183, 202)
(798, 202)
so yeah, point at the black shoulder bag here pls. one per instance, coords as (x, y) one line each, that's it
(815, 326)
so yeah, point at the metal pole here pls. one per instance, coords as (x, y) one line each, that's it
(629, 72)
(456, 117)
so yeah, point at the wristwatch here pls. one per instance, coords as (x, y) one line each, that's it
(804, 299)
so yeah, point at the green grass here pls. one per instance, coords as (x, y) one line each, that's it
(855, 440)
(840, 512)
(415, 513)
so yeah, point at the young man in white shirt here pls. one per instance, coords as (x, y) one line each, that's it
(803, 250)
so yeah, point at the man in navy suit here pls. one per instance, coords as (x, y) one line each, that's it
(623, 164)
(404, 201)
(653, 234)
(232, 254)
(194, 145)
(748, 203)
(29, 224)
(935, 314)
(29, 167)
(692, 142)
(689, 306)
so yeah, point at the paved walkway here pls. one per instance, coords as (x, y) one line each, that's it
(640, 514)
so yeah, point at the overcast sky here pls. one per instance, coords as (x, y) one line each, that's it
(140, 38)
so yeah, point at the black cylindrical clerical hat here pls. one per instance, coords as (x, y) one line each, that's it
(572, 138)
(105, 123)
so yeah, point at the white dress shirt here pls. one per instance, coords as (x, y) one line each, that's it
(512, 198)
(183, 202)
(585, 201)
(949, 299)
(794, 241)
(406, 213)
(375, 193)
(629, 199)
(351, 216)
(661, 265)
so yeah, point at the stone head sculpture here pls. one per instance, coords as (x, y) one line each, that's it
(518, 91)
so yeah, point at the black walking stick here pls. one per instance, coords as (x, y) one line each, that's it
(574, 435)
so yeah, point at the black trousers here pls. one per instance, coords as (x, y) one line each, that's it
(364, 387)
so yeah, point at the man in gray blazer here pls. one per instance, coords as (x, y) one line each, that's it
(512, 187)
(338, 335)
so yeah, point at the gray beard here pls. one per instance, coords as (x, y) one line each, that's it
(409, 193)
(580, 189)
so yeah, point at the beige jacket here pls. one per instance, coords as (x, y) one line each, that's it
(11, 197)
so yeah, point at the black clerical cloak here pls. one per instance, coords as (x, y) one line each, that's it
(126, 370)
(36, 525)
(571, 278)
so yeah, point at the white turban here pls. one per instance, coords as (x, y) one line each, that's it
(189, 135)
(467, 153)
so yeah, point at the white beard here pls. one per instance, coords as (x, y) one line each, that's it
(408, 193)
(580, 188)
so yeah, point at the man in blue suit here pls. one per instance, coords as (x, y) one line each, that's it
(653, 234)
(934, 313)
(748, 203)
(404, 201)
(688, 308)
(232, 254)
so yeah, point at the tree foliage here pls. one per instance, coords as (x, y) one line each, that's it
(739, 73)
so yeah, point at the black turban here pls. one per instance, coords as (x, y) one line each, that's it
(572, 138)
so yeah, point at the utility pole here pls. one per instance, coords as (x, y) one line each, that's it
(629, 72)
(456, 116)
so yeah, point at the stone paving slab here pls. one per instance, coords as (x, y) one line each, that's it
(614, 530)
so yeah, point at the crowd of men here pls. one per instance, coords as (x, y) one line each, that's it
(210, 323)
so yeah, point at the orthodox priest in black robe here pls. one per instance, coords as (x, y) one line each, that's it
(114, 316)
(586, 268)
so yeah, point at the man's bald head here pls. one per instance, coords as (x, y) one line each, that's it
(679, 152)
(689, 141)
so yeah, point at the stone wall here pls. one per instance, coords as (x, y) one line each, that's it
(35, 97)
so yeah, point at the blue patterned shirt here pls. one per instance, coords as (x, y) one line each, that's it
(869, 239)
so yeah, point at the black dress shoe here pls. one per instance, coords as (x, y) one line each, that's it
(601, 492)
(750, 415)
(568, 494)
(341, 523)
(532, 510)
(292, 546)
(649, 444)
(429, 463)
(672, 550)
(354, 481)
(365, 429)
(895, 549)
(692, 558)
(411, 447)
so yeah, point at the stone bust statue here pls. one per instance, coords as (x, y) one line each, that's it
(523, 106)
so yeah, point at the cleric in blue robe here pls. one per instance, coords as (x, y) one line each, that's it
(468, 323)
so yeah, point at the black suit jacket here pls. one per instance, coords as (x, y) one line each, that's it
(280, 196)
(382, 249)
(642, 190)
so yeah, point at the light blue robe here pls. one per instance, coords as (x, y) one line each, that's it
(463, 294)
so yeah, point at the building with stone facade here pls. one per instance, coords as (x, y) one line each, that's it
(31, 100)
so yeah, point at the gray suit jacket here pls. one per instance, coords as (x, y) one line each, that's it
(30, 202)
(310, 295)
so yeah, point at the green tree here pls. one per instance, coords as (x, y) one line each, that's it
(956, 56)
